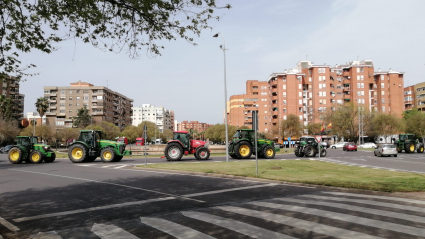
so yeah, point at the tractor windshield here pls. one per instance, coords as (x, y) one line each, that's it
(24, 141)
(238, 133)
(403, 137)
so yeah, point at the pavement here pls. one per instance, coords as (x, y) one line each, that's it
(99, 200)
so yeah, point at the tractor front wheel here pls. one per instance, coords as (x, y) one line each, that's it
(173, 152)
(243, 150)
(323, 152)
(107, 155)
(420, 149)
(268, 152)
(77, 153)
(202, 153)
(51, 158)
(36, 157)
(309, 151)
(410, 147)
(15, 155)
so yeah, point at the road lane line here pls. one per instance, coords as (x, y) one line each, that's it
(47, 235)
(111, 232)
(23, 219)
(174, 229)
(115, 184)
(229, 190)
(347, 218)
(356, 208)
(299, 223)
(380, 197)
(241, 227)
(9, 225)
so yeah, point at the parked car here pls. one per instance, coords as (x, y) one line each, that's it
(386, 150)
(5, 149)
(278, 145)
(349, 147)
(338, 145)
(367, 146)
(325, 144)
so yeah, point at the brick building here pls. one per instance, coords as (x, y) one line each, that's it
(414, 96)
(102, 103)
(310, 89)
(9, 87)
(186, 125)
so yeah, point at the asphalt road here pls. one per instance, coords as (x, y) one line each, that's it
(97, 200)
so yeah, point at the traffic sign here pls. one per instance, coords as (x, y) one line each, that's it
(289, 138)
(318, 138)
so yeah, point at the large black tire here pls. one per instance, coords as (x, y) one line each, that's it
(410, 147)
(118, 158)
(107, 155)
(268, 152)
(90, 159)
(77, 153)
(323, 152)
(420, 149)
(202, 153)
(233, 156)
(298, 152)
(309, 151)
(15, 155)
(51, 158)
(243, 150)
(36, 157)
(173, 152)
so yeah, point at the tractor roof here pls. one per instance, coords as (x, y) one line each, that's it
(181, 132)
(24, 136)
(246, 129)
(89, 130)
(406, 134)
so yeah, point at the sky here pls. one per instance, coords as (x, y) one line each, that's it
(262, 37)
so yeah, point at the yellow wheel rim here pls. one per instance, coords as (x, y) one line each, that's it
(14, 155)
(107, 155)
(77, 153)
(35, 158)
(244, 150)
(422, 149)
(412, 147)
(269, 152)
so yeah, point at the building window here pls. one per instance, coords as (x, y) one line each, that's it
(62, 111)
(300, 102)
(62, 92)
(77, 104)
(383, 108)
(60, 123)
(62, 104)
(382, 85)
(300, 86)
(284, 87)
(284, 117)
(77, 98)
(382, 93)
(284, 102)
(309, 79)
(263, 93)
(383, 101)
(300, 94)
(46, 92)
(284, 110)
(78, 91)
(86, 97)
(360, 77)
(382, 77)
(284, 94)
(62, 98)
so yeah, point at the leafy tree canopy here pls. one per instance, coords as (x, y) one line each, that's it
(110, 25)
(291, 127)
(83, 118)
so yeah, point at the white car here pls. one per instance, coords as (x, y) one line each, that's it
(386, 150)
(367, 146)
(338, 145)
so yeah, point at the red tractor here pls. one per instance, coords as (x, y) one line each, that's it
(182, 144)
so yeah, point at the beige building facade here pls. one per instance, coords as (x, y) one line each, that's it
(102, 103)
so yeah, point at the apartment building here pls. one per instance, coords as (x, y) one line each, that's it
(9, 87)
(414, 96)
(409, 97)
(163, 118)
(198, 126)
(311, 89)
(102, 103)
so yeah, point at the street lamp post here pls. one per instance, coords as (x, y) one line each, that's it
(223, 47)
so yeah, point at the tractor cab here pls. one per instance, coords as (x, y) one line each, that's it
(183, 137)
(90, 137)
(244, 134)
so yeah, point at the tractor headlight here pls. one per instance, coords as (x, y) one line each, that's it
(46, 148)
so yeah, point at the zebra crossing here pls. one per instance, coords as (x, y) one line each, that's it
(321, 215)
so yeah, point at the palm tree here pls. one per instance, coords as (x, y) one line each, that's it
(42, 105)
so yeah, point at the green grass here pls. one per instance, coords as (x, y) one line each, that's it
(310, 172)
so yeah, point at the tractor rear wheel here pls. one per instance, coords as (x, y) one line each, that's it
(268, 152)
(420, 149)
(15, 155)
(77, 153)
(36, 157)
(107, 155)
(51, 158)
(202, 153)
(243, 150)
(173, 152)
(309, 151)
(410, 147)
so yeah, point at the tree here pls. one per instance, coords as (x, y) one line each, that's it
(217, 133)
(385, 125)
(109, 25)
(131, 132)
(6, 108)
(291, 127)
(151, 128)
(42, 105)
(415, 124)
(83, 118)
(410, 113)
(314, 128)
(167, 135)
(8, 130)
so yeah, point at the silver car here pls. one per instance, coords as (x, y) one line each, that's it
(385, 150)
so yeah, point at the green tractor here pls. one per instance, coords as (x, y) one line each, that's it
(27, 149)
(307, 146)
(242, 146)
(90, 145)
(409, 143)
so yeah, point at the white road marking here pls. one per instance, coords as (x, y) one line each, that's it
(111, 232)
(174, 229)
(299, 223)
(347, 218)
(46, 235)
(229, 190)
(121, 166)
(376, 196)
(115, 184)
(241, 227)
(9, 225)
(355, 208)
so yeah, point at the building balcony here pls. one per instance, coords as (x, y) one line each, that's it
(276, 120)
(347, 96)
(346, 81)
(274, 97)
(346, 89)
(275, 112)
(50, 113)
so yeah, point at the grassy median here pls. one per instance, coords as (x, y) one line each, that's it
(310, 172)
